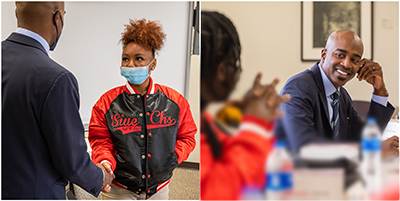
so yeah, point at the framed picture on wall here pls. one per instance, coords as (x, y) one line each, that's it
(320, 19)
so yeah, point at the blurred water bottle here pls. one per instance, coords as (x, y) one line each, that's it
(371, 157)
(251, 193)
(279, 169)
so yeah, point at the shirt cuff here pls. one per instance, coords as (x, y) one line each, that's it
(105, 161)
(103, 174)
(382, 100)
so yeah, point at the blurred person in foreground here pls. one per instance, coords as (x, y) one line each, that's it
(321, 109)
(141, 131)
(231, 163)
(43, 143)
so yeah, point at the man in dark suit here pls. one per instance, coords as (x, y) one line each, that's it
(43, 142)
(321, 109)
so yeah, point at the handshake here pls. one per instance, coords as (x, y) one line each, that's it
(108, 176)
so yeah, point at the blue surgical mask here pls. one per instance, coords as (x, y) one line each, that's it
(136, 75)
(53, 46)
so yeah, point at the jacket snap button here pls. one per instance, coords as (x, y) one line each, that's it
(148, 113)
(148, 191)
(143, 176)
(142, 136)
(150, 134)
(138, 96)
(147, 196)
(149, 155)
(140, 114)
(148, 176)
(147, 96)
(143, 156)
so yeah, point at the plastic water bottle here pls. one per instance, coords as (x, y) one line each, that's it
(279, 170)
(252, 192)
(371, 157)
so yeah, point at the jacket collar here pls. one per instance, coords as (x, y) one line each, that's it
(35, 36)
(328, 85)
(26, 40)
(132, 90)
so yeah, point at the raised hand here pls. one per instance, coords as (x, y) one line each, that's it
(263, 101)
(371, 72)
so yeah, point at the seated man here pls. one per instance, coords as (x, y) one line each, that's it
(321, 109)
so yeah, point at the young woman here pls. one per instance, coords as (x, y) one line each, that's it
(141, 131)
(229, 164)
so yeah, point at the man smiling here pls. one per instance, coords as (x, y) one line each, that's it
(321, 109)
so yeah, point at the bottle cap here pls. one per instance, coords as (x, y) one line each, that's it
(371, 119)
(280, 143)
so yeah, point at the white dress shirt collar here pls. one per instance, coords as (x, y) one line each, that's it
(328, 86)
(35, 36)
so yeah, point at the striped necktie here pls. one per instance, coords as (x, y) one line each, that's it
(335, 118)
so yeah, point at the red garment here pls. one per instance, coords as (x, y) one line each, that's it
(242, 162)
(149, 135)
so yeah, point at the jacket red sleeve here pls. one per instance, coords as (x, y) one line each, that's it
(242, 162)
(99, 136)
(185, 141)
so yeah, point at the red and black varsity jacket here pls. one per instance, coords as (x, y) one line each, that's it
(143, 138)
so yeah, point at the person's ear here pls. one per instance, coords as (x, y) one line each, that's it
(323, 55)
(221, 72)
(153, 65)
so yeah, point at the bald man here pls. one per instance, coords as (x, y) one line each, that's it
(321, 109)
(43, 142)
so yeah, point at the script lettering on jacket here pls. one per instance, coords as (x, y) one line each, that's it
(158, 120)
(124, 124)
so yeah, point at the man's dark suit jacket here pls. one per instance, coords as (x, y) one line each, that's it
(43, 142)
(306, 117)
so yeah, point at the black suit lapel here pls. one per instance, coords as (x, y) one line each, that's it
(322, 95)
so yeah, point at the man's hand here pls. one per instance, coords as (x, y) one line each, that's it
(107, 166)
(371, 72)
(108, 177)
(263, 101)
(390, 146)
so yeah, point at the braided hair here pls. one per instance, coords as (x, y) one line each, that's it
(219, 43)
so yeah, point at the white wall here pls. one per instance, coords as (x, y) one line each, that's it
(89, 45)
(270, 35)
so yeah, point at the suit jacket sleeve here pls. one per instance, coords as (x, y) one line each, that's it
(381, 113)
(64, 134)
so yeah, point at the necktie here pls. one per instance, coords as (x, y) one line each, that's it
(335, 118)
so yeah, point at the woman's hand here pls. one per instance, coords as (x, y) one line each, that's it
(107, 166)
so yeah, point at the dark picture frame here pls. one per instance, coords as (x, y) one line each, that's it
(320, 19)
